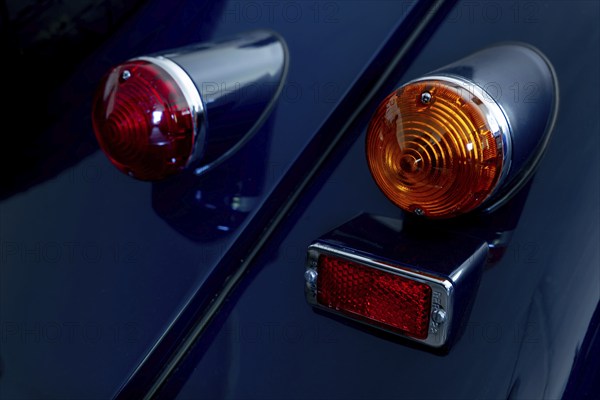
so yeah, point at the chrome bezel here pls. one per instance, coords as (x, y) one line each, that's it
(493, 113)
(524, 176)
(442, 291)
(192, 97)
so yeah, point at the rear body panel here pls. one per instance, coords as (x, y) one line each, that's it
(97, 266)
(104, 277)
(533, 307)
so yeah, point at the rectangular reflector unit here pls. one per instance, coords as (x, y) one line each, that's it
(372, 294)
(410, 280)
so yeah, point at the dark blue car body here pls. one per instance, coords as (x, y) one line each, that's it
(115, 287)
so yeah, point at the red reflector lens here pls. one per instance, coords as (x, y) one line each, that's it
(370, 294)
(142, 121)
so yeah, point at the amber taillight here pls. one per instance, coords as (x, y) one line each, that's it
(434, 150)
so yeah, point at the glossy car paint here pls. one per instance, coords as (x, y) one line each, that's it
(93, 273)
(536, 311)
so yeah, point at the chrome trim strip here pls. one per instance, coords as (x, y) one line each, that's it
(192, 97)
(521, 179)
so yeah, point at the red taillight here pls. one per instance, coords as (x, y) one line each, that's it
(191, 107)
(379, 297)
(143, 121)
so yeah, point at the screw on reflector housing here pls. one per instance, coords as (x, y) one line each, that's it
(191, 107)
(467, 136)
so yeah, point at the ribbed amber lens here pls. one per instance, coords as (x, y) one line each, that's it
(432, 151)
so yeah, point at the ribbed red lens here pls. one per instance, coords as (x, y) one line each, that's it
(142, 121)
(367, 293)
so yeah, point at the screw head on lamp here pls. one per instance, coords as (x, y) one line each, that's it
(445, 144)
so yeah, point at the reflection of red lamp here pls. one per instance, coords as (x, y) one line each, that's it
(215, 204)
